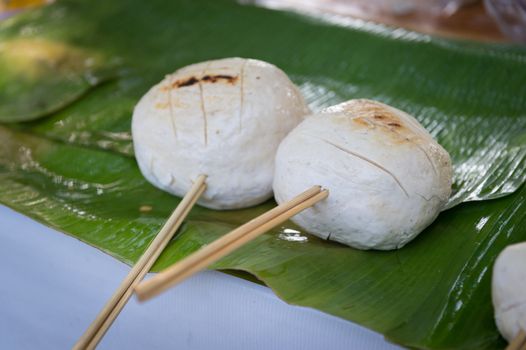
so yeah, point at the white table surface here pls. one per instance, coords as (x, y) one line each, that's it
(53, 286)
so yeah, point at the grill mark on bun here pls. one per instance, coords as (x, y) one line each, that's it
(205, 79)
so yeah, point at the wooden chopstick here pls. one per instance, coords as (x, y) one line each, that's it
(129, 292)
(105, 318)
(519, 342)
(228, 243)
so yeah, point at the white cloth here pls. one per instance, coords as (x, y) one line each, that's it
(53, 286)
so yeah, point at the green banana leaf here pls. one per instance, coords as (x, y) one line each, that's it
(39, 76)
(470, 97)
(434, 293)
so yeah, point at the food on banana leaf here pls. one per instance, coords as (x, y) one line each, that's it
(509, 290)
(388, 178)
(478, 118)
(223, 118)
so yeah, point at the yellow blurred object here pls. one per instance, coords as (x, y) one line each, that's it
(11, 5)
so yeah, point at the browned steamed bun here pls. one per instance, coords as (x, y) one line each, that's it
(387, 177)
(224, 119)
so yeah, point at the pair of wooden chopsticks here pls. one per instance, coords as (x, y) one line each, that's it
(192, 264)
(113, 307)
(519, 342)
(228, 243)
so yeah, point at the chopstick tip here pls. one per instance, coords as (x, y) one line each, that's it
(140, 293)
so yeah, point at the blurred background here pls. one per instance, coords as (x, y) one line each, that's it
(482, 20)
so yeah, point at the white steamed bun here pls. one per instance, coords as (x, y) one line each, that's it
(509, 290)
(223, 118)
(387, 177)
